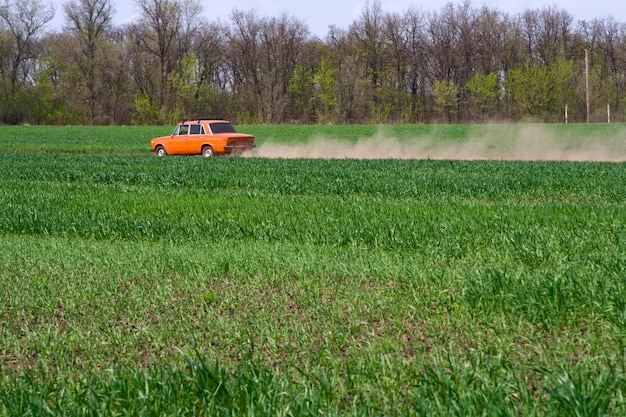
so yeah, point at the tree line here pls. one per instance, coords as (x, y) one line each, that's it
(460, 64)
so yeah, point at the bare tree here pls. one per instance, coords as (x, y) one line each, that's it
(282, 46)
(367, 34)
(548, 34)
(190, 10)
(163, 33)
(509, 32)
(244, 56)
(263, 54)
(443, 40)
(89, 21)
(404, 75)
(159, 27)
(417, 50)
(458, 63)
(342, 57)
(604, 40)
(118, 92)
(210, 48)
(24, 20)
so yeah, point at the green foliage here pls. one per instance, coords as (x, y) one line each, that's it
(301, 87)
(146, 113)
(446, 96)
(485, 91)
(325, 94)
(185, 85)
(541, 91)
(583, 395)
(246, 117)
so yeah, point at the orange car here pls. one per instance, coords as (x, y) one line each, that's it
(203, 137)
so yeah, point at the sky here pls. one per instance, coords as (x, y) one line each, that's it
(318, 15)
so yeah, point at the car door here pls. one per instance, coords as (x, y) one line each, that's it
(180, 140)
(195, 138)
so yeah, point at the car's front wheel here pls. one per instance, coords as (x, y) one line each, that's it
(208, 152)
(160, 151)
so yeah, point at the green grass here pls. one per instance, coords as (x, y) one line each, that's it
(135, 140)
(138, 285)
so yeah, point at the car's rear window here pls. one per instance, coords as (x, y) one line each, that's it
(222, 127)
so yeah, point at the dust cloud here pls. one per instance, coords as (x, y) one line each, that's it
(531, 143)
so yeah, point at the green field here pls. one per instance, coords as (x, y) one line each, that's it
(134, 140)
(136, 285)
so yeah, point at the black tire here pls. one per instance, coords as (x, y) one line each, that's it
(208, 152)
(160, 151)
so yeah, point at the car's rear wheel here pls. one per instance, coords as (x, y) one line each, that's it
(160, 151)
(208, 152)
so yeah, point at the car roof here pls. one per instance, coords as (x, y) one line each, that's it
(204, 120)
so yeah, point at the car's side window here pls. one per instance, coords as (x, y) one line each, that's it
(183, 130)
(196, 130)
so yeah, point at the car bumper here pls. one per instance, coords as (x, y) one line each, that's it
(239, 148)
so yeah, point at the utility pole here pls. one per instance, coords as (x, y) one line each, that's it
(587, 82)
